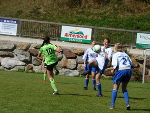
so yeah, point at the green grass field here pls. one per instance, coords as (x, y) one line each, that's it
(22, 92)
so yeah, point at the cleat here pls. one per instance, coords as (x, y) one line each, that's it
(55, 93)
(99, 95)
(111, 107)
(85, 88)
(128, 107)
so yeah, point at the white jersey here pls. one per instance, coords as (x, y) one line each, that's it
(121, 61)
(89, 55)
(108, 50)
(101, 60)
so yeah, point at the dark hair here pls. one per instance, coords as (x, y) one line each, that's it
(46, 40)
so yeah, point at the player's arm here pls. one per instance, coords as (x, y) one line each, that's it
(131, 63)
(109, 54)
(106, 55)
(39, 54)
(58, 49)
(85, 58)
(114, 63)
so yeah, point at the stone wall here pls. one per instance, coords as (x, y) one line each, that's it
(23, 56)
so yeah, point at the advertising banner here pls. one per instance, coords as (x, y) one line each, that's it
(143, 41)
(8, 26)
(76, 34)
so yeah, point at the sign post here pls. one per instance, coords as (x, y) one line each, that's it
(143, 41)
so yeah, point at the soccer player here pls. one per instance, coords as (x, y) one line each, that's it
(56, 72)
(89, 55)
(122, 65)
(48, 50)
(107, 51)
(104, 57)
(99, 63)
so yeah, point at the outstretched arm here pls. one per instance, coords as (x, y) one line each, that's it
(58, 49)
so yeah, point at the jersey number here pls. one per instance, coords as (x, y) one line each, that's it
(124, 61)
(49, 51)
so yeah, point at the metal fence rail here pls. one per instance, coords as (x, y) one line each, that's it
(39, 29)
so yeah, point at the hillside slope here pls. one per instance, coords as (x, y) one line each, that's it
(124, 14)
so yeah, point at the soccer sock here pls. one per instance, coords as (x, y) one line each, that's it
(94, 83)
(126, 97)
(86, 82)
(99, 88)
(44, 76)
(53, 84)
(114, 95)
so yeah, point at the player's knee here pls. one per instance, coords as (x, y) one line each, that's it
(115, 90)
(52, 81)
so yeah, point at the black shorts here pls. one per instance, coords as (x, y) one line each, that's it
(50, 67)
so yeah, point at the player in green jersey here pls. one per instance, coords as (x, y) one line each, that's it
(51, 60)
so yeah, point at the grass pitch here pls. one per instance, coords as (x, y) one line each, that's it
(22, 92)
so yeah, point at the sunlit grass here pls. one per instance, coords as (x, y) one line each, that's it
(22, 92)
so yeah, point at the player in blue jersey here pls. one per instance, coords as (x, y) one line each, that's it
(122, 65)
(88, 56)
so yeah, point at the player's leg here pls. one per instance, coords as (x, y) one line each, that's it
(86, 80)
(93, 80)
(125, 80)
(51, 77)
(98, 84)
(56, 70)
(126, 96)
(44, 74)
(93, 73)
(114, 95)
(93, 65)
(116, 81)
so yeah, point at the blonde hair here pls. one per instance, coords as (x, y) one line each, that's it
(118, 47)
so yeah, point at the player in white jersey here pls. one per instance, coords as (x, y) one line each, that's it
(88, 56)
(99, 63)
(102, 61)
(122, 65)
(107, 51)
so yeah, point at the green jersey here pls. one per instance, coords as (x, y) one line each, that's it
(48, 51)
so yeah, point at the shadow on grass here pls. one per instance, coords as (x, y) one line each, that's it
(75, 94)
(135, 98)
(140, 110)
(69, 83)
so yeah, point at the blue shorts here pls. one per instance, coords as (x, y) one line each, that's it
(89, 68)
(106, 63)
(122, 76)
(98, 70)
